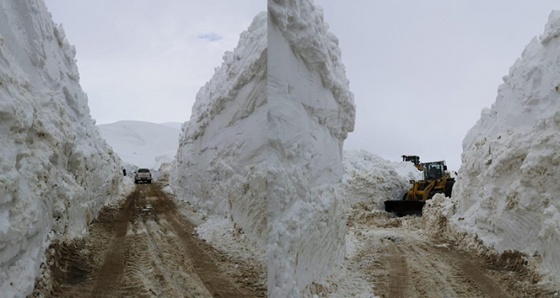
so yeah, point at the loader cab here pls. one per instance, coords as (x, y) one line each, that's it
(434, 170)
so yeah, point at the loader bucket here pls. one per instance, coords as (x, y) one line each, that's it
(404, 207)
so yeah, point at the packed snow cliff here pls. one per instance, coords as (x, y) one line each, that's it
(221, 160)
(311, 111)
(508, 190)
(56, 171)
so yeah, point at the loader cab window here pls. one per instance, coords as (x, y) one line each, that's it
(433, 171)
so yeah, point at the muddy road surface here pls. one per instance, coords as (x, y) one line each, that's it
(400, 259)
(144, 248)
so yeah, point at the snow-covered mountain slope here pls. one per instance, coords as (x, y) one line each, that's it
(371, 179)
(311, 111)
(221, 160)
(56, 171)
(142, 144)
(176, 125)
(507, 190)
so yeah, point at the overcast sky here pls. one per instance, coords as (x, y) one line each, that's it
(421, 71)
(146, 60)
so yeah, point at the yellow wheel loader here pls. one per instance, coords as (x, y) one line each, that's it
(436, 180)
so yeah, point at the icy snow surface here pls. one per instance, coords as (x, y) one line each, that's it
(311, 110)
(221, 160)
(508, 189)
(142, 144)
(56, 171)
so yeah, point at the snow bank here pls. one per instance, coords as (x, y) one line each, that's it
(371, 179)
(56, 172)
(507, 190)
(311, 110)
(221, 160)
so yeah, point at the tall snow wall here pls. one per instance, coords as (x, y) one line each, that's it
(508, 190)
(311, 110)
(220, 166)
(56, 172)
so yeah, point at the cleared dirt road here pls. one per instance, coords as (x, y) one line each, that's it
(145, 248)
(400, 260)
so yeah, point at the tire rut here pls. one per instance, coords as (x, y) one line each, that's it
(398, 274)
(472, 270)
(144, 248)
(203, 263)
(408, 267)
(111, 272)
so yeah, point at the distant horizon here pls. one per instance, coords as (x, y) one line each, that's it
(132, 120)
(396, 158)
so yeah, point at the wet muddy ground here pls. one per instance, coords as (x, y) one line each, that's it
(400, 258)
(144, 248)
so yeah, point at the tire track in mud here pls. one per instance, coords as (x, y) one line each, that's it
(157, 265)
(202, 262)
(144, 248)
(447, 279)
(400, 260)
(111, 272)
(398, 274)
(418, 269)
(473, 271)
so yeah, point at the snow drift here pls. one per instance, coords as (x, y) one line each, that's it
(369, 178)
(56, 171)
(311, 110)
(507, 190)
(221, 161)
(142, 144)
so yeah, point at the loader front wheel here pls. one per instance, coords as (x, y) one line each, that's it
(449, 188)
